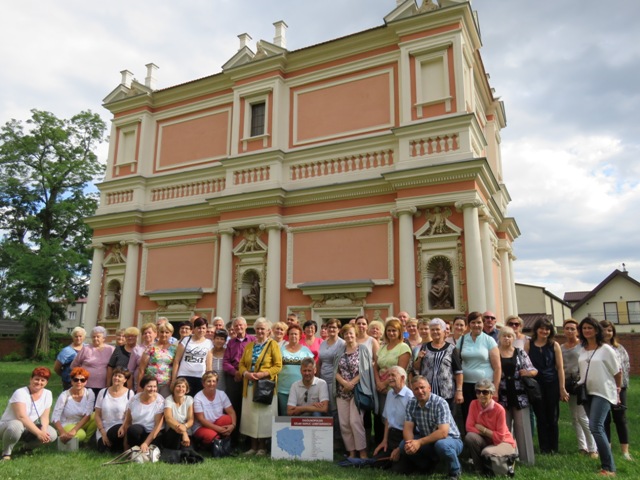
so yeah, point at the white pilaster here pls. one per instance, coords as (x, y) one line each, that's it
(505, 271)
(272, 291)
(93, 299)
(476, 293)
(487, 262)
(130, 287)
(406, 254)
(225, 274)
(514, 298)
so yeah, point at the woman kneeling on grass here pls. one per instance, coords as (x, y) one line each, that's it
(72, 413)
(26, 417)
(144, 417)
(215, 417)
(178, 415)
(111, 406)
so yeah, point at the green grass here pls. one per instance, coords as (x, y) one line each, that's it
(47, 463)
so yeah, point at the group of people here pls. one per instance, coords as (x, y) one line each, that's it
(412, 391)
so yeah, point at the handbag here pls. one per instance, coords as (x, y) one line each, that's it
(571, 384)
(532, 387)
(362, 400)
(264, 388)
(135, 455)
(221, 447)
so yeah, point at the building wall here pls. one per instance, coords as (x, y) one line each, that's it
(375, 186)
(618, 291)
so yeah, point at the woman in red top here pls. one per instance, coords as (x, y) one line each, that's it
(487, 432)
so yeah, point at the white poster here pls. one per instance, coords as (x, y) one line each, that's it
(302, 438)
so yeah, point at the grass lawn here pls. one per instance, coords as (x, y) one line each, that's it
(47, 463)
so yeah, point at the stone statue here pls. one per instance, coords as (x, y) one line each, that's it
(250, 240)
(427, 6)
(113, 308)
(251, 301)
(440, 297)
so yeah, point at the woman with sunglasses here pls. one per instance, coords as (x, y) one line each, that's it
(546, 357)
(515, 365)
(26, 417)
(74, 408)
(519, 338)
(487, 432)
(571, 350)
(111, 405)
(193, 357)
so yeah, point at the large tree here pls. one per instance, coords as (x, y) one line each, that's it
(46, 172)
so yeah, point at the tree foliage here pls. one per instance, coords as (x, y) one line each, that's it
(46, 170)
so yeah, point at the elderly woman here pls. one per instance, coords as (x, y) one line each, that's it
(178, 414)
(480, 359)
(157, 360)
(62, 365)
(571, 350)
(193, 356)
(600, 372)
(292, 355)
(515, 365)
(111, 405)
(487, 432)
(376, 330)
(439, 362)
(261, 359)
(278, 332)
(546, 357)
(520, 339)
(309, 339)
(618, 411)
(94, 358)
(352, 366)
(73, 409)
(122, 353)
(27, 415)
(144, 416)
(149, 334)
(214, 414)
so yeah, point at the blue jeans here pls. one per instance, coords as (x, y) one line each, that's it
(597, 409)
(426, 458)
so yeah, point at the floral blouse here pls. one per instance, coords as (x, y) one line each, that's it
(511, 392)
(161, 363)
(348, 368)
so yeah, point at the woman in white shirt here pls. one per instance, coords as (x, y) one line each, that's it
(178, 416)
(600, 372)
(144, 416)
(111, 406)
(73, 408)
(193, 357)
(27, 415)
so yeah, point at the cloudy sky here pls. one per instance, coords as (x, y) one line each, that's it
(568, 72)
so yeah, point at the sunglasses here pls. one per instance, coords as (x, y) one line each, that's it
(483, 392)
(78, 379)
(306, 396)
(514, 324)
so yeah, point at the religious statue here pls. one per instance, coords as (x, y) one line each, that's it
(113, 308)
(440, 297)
(251, 301)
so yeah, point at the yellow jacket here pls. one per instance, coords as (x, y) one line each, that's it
(270, 360)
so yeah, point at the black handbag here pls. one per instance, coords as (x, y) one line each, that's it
(221, 447)
(532, 387)
(363, 402)
(571, 384)
(264, 388)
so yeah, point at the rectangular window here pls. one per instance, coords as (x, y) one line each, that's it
(72, 315)
(611, 311)
(257, 118)
(634, 312)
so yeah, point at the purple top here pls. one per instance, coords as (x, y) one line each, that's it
(233, 353)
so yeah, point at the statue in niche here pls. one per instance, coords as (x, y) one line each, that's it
(440, 295)
(113, 307)
(251, 301)
(427, 6)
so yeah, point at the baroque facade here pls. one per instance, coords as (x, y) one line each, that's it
(360, 175)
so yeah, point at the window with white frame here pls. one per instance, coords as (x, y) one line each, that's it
(634, 311)
(611, 311)
(258, 117)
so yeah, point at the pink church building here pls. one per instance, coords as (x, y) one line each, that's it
(358, 176)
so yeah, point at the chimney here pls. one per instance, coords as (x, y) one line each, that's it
(150, 79)
(281, 34)
(127, 78)
(244, 40)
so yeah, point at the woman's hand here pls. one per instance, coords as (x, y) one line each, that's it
(144, 447)
(348, 386)
(105, 439)
(186, 441)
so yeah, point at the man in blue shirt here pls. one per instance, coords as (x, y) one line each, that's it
(437, 437)
(394, 415)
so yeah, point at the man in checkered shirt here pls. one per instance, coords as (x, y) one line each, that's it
(430, 433)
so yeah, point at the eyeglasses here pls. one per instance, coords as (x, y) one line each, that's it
(78, 379)
(513, 324)
(306, 396)
(487, 317)
(483, 392)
